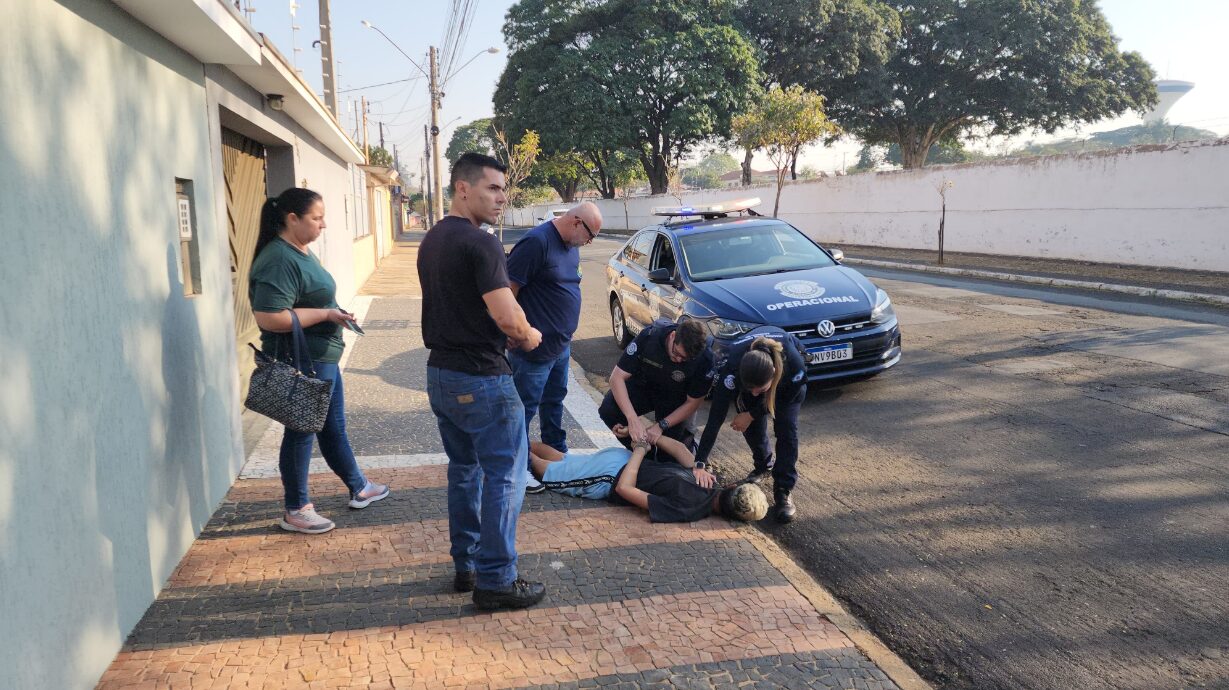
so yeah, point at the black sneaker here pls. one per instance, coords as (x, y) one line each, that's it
(784, 509)
(758, 476)
(465, 581)
(518, 595)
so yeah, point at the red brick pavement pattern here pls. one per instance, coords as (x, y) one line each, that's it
(503, 650)
(276, 554)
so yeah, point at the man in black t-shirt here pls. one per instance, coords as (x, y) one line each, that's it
(666, 370)
(671, 492)
(469, 315)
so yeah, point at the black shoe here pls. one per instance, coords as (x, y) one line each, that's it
(784, 509)
(518, 595)
(465, 580)
(758, 476)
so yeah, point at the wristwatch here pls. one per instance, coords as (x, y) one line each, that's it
(700, 465)
(664, 424)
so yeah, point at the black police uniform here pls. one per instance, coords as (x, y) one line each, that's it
(791, 391)
(657, 384)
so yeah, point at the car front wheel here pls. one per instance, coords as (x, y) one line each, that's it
(618, 324)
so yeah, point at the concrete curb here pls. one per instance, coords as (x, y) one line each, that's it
(895, 667)
(1136, 290)
(864, 639)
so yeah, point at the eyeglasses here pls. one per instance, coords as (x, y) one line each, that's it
(592, 235)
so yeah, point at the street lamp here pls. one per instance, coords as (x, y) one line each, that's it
(492, 51)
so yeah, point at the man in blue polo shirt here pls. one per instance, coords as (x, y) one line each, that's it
(544, 272)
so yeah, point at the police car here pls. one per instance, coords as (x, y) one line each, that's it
(738, 272)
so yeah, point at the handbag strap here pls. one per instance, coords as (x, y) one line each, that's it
(300, 353)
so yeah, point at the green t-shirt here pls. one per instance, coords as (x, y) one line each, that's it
(282, 278)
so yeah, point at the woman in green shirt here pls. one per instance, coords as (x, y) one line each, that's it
(286, 275)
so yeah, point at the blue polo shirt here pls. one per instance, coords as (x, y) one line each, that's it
(548, 272)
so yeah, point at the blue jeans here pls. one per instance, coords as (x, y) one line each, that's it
(296, 453)
(542, 387)
(482, 425)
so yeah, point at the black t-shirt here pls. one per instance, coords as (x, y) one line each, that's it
(727, 388)
(648, 361)
(674, 495)
(458, 264)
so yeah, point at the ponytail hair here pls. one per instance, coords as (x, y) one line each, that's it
(764, 363)
(273, 214)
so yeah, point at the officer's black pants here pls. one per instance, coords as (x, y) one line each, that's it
(611, 415)
(785, 426)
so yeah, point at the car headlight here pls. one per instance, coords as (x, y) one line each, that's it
(883, 311)
(728, 328)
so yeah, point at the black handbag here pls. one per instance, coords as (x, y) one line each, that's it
(290, 394)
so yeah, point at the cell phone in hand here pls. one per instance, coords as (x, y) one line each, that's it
(352, 325)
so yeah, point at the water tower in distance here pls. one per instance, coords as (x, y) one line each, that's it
(1169, 91)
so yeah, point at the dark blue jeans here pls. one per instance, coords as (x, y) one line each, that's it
(785, 426)
(296, 453)
(542, 387)
(482, 425)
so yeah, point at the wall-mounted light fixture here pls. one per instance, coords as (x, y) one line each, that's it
(275, 101)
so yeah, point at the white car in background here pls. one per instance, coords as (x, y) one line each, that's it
(551, 215)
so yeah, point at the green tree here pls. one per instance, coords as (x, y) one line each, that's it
(655, 77)
(994, 66)
(378, 155)
(477, 136)
(562, 172)
(520, 158)
(812, 42)
(782, 123)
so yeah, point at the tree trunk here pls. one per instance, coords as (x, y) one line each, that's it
(914, 146)
(747, 167)
(793, 165)
(776, 205)
(658, 171)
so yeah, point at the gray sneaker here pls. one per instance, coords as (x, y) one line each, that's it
(306, 520)
(370, 494)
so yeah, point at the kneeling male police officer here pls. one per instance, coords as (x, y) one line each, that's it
(666, 370)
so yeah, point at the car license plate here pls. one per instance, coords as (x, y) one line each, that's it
(830, 353)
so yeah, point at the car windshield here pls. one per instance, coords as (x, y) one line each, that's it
(745, 251)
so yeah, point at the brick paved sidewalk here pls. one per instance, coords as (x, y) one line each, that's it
(370, 604)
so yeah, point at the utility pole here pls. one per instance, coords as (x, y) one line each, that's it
(326, 57)
(435, 135)
(366, 155)
(426, 140)
(381, 134)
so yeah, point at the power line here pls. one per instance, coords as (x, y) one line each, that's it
(372, 86)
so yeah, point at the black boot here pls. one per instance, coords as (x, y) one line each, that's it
(758, 476)
(518, 595)
(465, 580)
(784, 509)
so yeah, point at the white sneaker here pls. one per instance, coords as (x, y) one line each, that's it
(532, 485)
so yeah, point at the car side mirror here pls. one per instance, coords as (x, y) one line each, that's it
(661, 276)
(837, 255)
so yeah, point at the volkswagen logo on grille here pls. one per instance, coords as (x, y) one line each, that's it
(826, 328)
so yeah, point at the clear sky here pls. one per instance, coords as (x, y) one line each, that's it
(1182, 39)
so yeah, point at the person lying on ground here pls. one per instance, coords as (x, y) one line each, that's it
(669, 491)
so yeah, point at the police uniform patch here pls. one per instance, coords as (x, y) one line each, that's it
(729, 382)
(631, 349)
(677, 376)
(798, 376)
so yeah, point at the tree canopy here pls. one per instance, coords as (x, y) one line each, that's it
(653, 78)
(781, 123)
(996, 67)
(477, 136)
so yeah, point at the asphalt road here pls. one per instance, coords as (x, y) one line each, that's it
(1036, 497)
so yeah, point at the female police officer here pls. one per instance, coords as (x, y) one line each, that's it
(764, 375)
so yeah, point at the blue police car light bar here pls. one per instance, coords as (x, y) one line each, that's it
(722, 208)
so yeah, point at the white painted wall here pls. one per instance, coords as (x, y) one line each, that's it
(118, 427)
(1163, 205)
